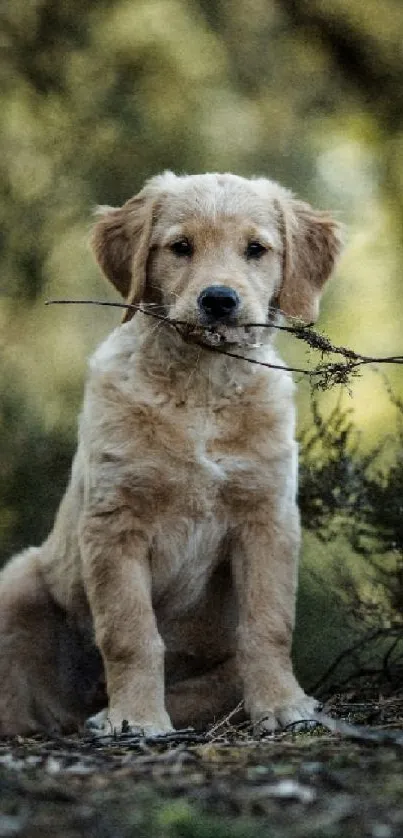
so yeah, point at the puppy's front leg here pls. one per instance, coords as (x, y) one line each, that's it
(118, 582)
(264, 564)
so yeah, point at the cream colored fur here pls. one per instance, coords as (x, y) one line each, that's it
(166, 589)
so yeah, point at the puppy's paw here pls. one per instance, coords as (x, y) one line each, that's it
(299, 712)
(108, 722)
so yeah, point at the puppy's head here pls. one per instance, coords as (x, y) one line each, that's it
(217, 251)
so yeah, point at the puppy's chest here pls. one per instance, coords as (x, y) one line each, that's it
(211, 457)
(207, 447)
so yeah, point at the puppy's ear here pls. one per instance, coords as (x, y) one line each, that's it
(312, 242)
(121, 241)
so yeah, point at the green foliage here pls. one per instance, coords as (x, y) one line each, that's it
(36, 464)
(344, 490)
(353, 500)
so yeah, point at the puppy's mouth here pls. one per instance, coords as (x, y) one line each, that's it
(222, 335)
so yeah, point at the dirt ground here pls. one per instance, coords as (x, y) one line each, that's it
(223, 784)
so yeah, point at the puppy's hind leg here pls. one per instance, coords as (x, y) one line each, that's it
(33, 697)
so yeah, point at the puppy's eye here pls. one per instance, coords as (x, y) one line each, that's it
(182, 247)
(255, 250)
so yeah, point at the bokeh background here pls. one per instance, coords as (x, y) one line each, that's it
(97, 96)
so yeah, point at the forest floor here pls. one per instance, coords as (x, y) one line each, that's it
(223, 784)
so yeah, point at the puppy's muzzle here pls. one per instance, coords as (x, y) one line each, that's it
(218, 304)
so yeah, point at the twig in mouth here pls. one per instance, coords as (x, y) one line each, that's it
(324, 375)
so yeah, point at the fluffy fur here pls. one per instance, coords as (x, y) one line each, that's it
(165, 592)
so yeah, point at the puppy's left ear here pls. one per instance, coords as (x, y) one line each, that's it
(121, 242)
(312, 243)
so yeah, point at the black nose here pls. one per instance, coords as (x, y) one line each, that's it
(218, 302)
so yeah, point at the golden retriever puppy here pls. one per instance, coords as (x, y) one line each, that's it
(165, 593)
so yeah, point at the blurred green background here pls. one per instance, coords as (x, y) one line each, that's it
(97, 96)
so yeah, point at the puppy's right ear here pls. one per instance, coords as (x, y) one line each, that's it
(121, 241)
